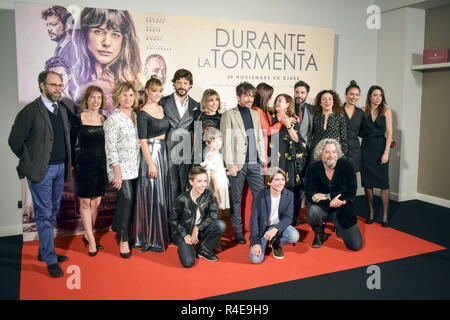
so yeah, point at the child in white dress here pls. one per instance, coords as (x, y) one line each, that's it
(217, 175)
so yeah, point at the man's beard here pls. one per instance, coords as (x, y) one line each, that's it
(299, 101)
(181, 94)
(330, 163)
(55, 97)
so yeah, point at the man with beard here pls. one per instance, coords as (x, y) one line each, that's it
(57, 20)
(179, 108)
(330, 191)
(40, 139)
(243, 152)
(304, 113)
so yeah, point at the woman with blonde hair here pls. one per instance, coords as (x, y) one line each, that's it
(153, 204)
(122, 160)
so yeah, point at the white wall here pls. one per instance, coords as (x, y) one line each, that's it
(355, 56)
(402, 37)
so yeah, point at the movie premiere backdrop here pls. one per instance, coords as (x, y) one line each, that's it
(108, 46)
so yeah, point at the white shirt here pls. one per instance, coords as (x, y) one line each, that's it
(182, 108)
(48, 103)
(198, 217)
(274, 218)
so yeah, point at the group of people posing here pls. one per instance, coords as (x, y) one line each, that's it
(174, 187)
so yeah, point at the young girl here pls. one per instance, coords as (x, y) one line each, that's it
(217, 176)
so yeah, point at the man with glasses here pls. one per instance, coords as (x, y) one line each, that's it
(40, 139)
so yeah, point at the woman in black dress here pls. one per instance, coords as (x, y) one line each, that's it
(291, 150)
(151, 226)
(353, 116)
(376, 133)
(209, 109)
(329, 121)
(90, 161)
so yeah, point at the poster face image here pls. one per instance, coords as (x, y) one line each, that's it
(104, 47)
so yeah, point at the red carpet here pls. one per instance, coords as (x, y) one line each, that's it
(160, 275)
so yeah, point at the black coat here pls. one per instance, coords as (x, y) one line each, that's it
(182, 216)
(31, 139)
(343, 182)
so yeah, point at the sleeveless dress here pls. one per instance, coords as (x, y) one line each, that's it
(153, 204)
(373, 173)
(90, 160)
(216, 164)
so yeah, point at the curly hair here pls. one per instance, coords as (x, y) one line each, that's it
(336, 102)
(318, 150)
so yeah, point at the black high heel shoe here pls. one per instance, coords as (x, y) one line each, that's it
(86, 243)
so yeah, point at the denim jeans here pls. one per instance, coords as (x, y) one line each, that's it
(289, 235)
(46, 201)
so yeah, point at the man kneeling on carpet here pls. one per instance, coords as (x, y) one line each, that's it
(330, 190)
(194, 220)
(271, 218)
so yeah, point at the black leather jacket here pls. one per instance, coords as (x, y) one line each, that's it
(182, 216)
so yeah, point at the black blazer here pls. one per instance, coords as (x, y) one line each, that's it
(262, 205)
(31, 139)
(182, 216)
(178, 125)
(343, 182)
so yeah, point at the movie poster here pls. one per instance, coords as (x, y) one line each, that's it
(107, 46)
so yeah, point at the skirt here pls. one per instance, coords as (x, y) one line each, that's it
(153, 205)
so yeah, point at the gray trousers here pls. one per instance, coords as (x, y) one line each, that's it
(317, 216)
(254, 175)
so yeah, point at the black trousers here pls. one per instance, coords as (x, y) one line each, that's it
(123, 216)
(178, 178)
(207, 240)
(317, 216)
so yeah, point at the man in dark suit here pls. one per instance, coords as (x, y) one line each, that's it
(270, 222)
(40, 139)
(305, 114)
(179, 108)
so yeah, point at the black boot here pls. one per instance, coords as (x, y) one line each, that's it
(319, 237)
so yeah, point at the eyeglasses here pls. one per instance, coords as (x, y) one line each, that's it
(55, 85)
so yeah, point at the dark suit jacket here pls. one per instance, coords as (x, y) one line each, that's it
(31, 140)
(306, 126)
(259, 219)
(343, 182)
(179, 126)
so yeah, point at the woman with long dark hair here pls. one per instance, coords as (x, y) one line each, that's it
(353, 116)
(107, 51)
(376, 133)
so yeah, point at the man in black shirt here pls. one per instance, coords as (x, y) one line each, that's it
(243, 151)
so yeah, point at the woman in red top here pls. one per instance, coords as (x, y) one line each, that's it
(263, 95)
